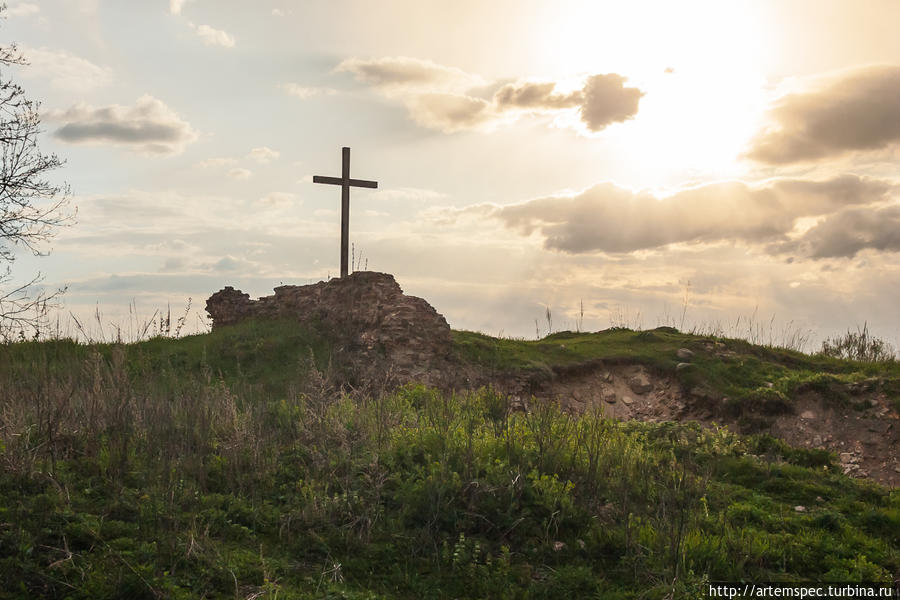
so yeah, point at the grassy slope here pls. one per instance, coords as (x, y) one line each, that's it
(735, 368)
(220, 466)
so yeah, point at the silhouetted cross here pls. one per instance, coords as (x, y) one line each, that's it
(345, 182)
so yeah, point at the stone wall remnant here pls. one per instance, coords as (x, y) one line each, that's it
(375, 325)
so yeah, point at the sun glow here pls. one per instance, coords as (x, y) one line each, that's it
(702, 66)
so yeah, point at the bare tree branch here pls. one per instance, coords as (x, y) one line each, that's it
(31, 206)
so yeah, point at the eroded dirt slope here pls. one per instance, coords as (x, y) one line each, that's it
(865, 434)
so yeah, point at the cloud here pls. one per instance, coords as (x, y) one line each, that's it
(403, 73)
(149, 126)
(65, 71)
(263, 155)
(608, 101)
(407, 195)
(213, 37)
(228, 263)
(22, 9)
(612, 219)
(845, 234)
(213, 163)
(535, 96)
(279, 199)
(175, 6)
(602, 101)
(173, 264)
(449, 112)
(449, 99)
(853, 111)
(240, 173)
(304, 92)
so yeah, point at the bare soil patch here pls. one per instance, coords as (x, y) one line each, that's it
(865, 435)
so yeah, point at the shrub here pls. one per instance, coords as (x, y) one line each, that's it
(861, 346)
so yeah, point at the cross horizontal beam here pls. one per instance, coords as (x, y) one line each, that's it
(339, 181)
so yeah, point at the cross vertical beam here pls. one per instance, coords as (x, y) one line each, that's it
(345, 207)
(346, 183)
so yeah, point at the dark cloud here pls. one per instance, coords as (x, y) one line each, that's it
(149, 126)
(608, 101)
(612, 219)
(847, 233)
(535, 96)
(858, 111)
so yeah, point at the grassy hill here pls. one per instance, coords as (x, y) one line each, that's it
(230, 465)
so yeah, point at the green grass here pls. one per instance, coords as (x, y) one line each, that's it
(228, 466)
(267, 354)
(653, 348)
(754, 378)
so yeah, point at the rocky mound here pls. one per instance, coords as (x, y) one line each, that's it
(378, 330)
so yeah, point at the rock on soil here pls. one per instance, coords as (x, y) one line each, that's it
(684, 354)
(640, 383)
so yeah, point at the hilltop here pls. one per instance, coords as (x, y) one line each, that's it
(267, 459)
(383, 336)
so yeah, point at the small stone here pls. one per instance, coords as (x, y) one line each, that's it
(682, 366)
(897, 469)
(808, 415)
(640, 384)
(847, 457)
(684, 354)
(799, 508)
(769, 384)
(607, 377)
(627, 400)
(820, 499)
(610, 398)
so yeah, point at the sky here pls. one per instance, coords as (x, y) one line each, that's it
(717, 165)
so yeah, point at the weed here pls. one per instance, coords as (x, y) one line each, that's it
(859, 345)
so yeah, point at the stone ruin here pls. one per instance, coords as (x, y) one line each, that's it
(377, 329)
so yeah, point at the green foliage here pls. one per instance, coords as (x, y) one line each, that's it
(759, 382)
(859, 345)
(189, 468)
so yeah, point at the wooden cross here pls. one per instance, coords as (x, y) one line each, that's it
(345, 182)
